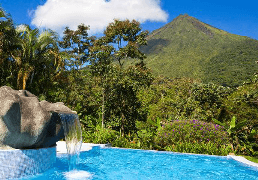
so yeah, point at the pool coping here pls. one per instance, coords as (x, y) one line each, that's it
(243, 160)
(61, 148)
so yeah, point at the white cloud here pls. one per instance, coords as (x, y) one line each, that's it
(57, 14)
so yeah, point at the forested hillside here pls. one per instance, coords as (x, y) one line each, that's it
(187, 47)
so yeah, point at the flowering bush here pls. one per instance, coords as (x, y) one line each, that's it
(193, 136)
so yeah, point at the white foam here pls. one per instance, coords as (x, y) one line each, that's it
(61, 146)
(77, 174)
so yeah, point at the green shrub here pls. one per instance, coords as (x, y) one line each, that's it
(133, 141)
(242, 104)
(206, 101)
(121, 141)
(146, 133)
(100, 135)
(193, 136)
(243, 138)
(200, 148)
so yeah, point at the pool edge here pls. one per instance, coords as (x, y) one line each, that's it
(243, 160)
(61, 148)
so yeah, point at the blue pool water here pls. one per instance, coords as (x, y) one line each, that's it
(129, 164)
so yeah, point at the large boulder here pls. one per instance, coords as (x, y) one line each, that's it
(26, 123)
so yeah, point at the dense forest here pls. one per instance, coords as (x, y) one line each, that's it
(127, 105)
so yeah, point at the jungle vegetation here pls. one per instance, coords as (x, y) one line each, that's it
(193, 88)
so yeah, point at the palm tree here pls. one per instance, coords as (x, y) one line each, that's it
(37, 53)
(7, 44)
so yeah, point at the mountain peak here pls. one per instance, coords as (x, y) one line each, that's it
(183, 24)
(183, 16)
(190, 23)
(187, 47)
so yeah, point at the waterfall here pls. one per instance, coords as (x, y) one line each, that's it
(73, 137)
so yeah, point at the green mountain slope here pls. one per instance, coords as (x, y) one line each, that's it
(187, 47)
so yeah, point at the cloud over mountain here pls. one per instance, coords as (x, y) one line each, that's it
(57, 14)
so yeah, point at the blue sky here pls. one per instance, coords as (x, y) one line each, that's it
(237, 17)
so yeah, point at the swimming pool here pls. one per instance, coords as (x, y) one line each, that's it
(130, 164)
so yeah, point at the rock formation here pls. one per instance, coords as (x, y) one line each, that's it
(26, 123)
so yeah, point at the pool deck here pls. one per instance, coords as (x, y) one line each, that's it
(61, 148)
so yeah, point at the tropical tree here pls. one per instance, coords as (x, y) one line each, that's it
(37, 56)
(7, 45)
(121, 41)
(76, 44)
(127, 36)
(124, 106)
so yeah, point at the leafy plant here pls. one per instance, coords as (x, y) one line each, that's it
(241, 136)
(200, 148)
(100, 135)
(187, 135)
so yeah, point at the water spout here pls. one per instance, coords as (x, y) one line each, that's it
(73, 137)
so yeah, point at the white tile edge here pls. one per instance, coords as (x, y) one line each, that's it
(243, 160)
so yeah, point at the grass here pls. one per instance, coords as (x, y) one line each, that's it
(253, 159)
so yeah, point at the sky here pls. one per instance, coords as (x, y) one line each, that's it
(237, 17)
